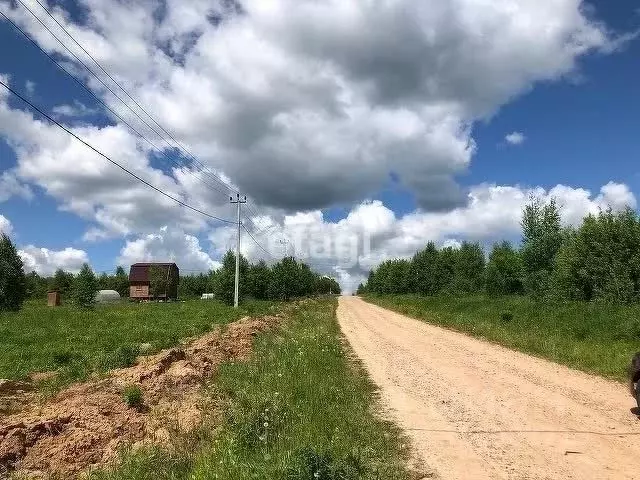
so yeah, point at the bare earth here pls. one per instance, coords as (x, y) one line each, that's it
(475, 410)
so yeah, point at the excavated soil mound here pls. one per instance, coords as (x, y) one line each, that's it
(85, 425)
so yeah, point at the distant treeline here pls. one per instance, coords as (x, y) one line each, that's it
(64, 282)
(599, 260)
(284, 280)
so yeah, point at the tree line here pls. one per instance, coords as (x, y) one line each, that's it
(597, 261)
(284, 280)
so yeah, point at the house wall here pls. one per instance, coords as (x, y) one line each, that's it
(139, 290)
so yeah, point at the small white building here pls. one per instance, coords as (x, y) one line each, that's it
(107, 296)
(208, 296)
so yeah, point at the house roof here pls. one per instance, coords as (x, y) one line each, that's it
(140, 271)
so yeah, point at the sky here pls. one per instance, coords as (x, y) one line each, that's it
(359, 130)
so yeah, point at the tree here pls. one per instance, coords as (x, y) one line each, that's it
(13, 286)
(121, 282)
(158, 282)
(307, 281)
(258, 280)
(468, 269)
(284, 284)
(62, 282)
(542, 239)
(392, 276)
(445, 268)
(225, 278)
(424, 273)
(361, 289)
(85, 287)
(327, 285)
(105, 282)
(503, 274)
(36, 286)
(601, 259)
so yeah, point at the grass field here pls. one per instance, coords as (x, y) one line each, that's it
(299, 410)
(593, 337)
(78, 342)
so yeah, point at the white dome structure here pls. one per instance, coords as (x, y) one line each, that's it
(106, 296)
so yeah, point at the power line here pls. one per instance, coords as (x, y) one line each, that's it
(87, 89)
(176, 142)
(256, 241)
(88, 145)
(196, 173)
(90, 92)
(84, 87)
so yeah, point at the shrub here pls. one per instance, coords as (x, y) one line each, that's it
(122, 357)
(132, 396)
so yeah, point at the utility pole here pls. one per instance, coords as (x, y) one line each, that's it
(238, 202)
(284, 243)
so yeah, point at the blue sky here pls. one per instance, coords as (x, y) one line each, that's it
(578, 127)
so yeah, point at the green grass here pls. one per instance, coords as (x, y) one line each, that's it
(593, 337)
(77, 342)
(299, 410)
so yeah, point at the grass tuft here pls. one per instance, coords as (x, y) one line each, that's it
(133, 397)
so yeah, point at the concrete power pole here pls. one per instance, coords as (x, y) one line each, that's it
(238, 202)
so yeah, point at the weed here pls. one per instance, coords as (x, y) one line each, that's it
(132, 396)
(122, 357)
(311, 465)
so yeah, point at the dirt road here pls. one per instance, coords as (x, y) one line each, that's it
(474, 410)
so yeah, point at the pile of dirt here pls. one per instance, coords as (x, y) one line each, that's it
(85, 425)
(14, 394)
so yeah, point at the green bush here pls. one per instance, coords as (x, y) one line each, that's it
(132, 396)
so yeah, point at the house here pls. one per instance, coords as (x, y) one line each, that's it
(154, 281)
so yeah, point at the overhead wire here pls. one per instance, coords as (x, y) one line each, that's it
(88, 145)
(256, 241)
(176, 146)
(136, 102)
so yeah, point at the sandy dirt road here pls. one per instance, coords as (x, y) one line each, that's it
(474, 410)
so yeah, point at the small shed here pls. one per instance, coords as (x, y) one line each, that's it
(53, 298)
(208, 296)
(107, 296)
(154, 281)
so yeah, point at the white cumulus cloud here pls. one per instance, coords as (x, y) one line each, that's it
(10, 186)
(168, 245)
(515, 138)
(372, 233)
(303, 104)
(45, 261)
(5, 225)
